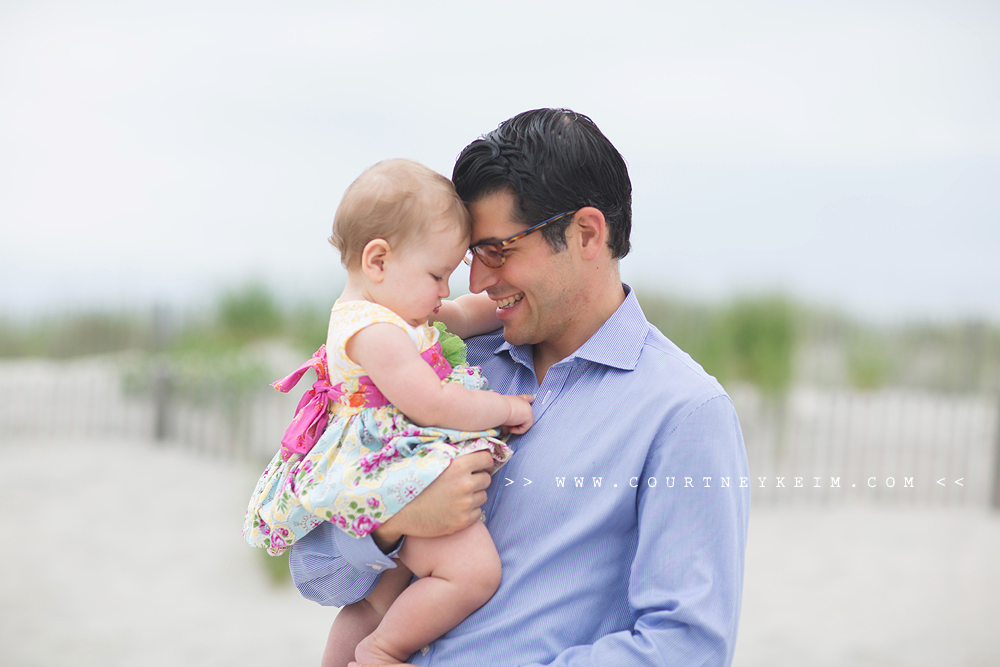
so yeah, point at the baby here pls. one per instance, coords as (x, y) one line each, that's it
(389, 412)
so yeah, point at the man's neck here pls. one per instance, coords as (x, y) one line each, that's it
(592, 313)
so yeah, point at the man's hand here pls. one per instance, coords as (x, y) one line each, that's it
(448, 505)
(369, 664)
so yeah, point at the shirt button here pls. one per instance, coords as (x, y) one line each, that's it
(375, 566)
(482, 516)
(425, 649)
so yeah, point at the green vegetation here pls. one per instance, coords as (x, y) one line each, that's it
(768, 341)
(763, 339)
(74, 335)
(240, 317)
(750, 339)
(772, 343)
(869, 363)
(276, 567)
(305, 327)
(249, 314)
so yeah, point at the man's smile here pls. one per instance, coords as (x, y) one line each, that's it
(509, 301)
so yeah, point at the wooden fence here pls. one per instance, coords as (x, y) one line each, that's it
(889, 446)
(87, 398)
(814, 445)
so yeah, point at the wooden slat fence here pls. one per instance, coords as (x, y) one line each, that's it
(880, 442)
(886, 446)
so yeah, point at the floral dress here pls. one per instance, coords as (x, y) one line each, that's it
(349, 456)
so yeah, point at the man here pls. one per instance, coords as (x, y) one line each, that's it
(621, 519)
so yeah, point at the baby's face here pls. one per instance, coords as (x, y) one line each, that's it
(416, 277)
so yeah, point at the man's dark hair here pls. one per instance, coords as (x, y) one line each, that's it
(551, 160)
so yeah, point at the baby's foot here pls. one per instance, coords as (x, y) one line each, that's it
(370, 652)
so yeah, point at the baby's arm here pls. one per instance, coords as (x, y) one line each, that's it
(392, 362)
(469, 315)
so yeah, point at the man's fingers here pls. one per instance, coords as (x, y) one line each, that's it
(481, 479)
(474, 462)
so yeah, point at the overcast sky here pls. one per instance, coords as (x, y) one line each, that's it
(846, 153)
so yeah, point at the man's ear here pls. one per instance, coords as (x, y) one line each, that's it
(373, 259)
(593, 231)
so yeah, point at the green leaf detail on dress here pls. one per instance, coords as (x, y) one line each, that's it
(452, 346)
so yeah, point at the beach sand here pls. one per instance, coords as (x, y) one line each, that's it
(129, 553)
(125, 553)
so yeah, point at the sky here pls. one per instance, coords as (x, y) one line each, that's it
(845, 154)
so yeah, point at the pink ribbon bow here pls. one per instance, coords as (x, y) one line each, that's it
(312, 413)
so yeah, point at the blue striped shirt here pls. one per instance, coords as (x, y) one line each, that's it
(621, 519)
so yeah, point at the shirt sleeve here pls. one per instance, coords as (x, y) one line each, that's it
(332, 568)
(686, 581)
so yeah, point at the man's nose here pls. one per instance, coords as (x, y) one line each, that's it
(481, 277)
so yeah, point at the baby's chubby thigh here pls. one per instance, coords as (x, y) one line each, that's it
(467, 558)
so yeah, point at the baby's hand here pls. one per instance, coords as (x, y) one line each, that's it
(521, 416)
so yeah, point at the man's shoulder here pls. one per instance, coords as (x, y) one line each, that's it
(479, 349)
(499, 369)
(662, 358)
(696, 417)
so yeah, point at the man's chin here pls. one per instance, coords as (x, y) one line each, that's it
(516, 335)
(510, 334)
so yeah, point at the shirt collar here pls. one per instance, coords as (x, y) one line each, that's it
(617, 343)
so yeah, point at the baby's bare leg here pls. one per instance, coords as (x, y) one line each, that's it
(356, 621)
(458, 574)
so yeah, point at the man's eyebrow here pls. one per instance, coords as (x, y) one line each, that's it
(489, 240)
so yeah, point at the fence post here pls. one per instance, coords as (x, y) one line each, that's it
(161, 378)
(996, 462)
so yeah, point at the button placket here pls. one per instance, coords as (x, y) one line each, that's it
(552, 386)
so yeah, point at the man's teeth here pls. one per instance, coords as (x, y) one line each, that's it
(509, 301)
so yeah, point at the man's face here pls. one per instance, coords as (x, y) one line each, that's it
(534, 289)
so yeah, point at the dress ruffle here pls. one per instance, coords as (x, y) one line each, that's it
(365, 468)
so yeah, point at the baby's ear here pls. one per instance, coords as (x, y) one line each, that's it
(373, 259)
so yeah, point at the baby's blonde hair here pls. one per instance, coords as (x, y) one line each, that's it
(393, 200)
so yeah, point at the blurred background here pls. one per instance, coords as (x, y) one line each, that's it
(816, 220)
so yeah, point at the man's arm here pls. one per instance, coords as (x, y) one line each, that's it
(333, 572)
(332, 568)
(686, 580)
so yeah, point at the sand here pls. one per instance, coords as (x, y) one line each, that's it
(123, 553)
(129, 553)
